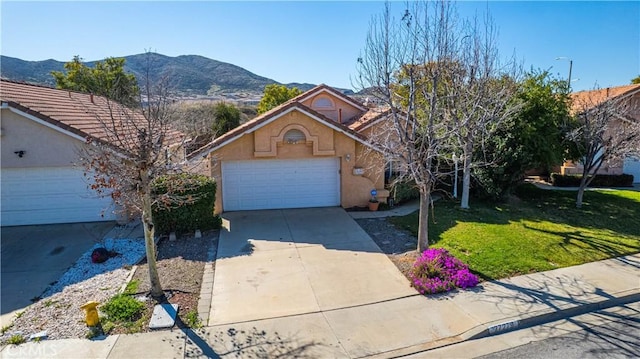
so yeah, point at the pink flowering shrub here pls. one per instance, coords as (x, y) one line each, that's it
(437, 271)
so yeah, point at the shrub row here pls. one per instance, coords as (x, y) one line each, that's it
(185, 203)
(623, 180)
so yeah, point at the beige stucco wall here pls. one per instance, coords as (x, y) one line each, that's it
(43, 146)
(348, 111)
(326, 142)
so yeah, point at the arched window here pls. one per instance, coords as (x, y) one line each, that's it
(322, 103)
(294, 136)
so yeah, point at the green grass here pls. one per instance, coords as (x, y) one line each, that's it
(537, 231)
(132, 287)
(16, 339)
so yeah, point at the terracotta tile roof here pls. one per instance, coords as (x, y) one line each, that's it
(75, 112)
(368, 118)
(595, 97)
(267, 117)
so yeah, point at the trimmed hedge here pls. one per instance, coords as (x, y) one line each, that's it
(172, 214)
(623, 180)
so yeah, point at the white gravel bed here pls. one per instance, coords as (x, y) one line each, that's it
(58, 312)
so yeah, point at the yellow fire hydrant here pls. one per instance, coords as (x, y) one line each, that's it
(91, 312)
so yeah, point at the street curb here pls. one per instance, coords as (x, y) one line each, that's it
(521, 322)
(206, 288)
(546, 316)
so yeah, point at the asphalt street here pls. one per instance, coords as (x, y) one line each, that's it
(619, 337)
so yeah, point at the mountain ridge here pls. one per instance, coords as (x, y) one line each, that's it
(190, 75)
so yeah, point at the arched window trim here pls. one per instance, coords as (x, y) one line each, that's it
(323, 103)
(294, 136)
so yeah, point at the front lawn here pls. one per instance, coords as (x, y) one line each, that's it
(536, 231)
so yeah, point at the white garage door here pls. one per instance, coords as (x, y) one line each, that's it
(49, 195)
(632, 167)
(273, 184)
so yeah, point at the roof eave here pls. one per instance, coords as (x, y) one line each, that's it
(45, 120)
(291, 107)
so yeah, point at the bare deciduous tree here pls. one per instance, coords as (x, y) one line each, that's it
(443, 86)
(131, 148)
(392, 69)
(607, 131)
(479, 94)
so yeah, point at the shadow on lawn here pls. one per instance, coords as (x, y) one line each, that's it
(551, 213)
(601, 211)
(572, 238)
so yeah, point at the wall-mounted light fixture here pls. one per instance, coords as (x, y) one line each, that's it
(20, 153)
(348, 157)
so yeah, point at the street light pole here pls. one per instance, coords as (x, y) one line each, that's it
(570, 68)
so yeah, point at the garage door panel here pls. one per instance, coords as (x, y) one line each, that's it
(272, 184)
(49, 195)
(632, 167)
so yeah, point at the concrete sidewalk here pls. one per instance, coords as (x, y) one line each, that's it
(430, 322)
(397, 211)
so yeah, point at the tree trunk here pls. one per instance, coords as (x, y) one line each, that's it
(579, 199)
(423, 221)
(466, 178)
(583, 185)
(149, 234)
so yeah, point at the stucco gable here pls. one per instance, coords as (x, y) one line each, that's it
(270, 117)
(329, 91)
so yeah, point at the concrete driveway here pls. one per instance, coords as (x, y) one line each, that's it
(318, 283)
(286, 262)
(32, 257)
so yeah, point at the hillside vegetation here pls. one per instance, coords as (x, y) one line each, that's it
(189, 74)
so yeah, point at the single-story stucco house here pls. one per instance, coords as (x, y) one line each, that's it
(311, 151)
(41, 130)
(630, 93)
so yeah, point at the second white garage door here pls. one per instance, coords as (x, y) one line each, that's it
(632, 167)
(274, 184)
(48, 195)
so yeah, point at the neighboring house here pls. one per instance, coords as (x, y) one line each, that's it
(311, 151)
(630, 165)
(41, 131)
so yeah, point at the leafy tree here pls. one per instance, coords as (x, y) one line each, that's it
(106, 79)
(227, 117)
(204, 121)
(533, 138)
(636, 80)
(275, 95)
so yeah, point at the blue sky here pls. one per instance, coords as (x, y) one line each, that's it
(317, 42)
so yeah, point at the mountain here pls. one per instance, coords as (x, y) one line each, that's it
(29, 71)
(188, 74)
